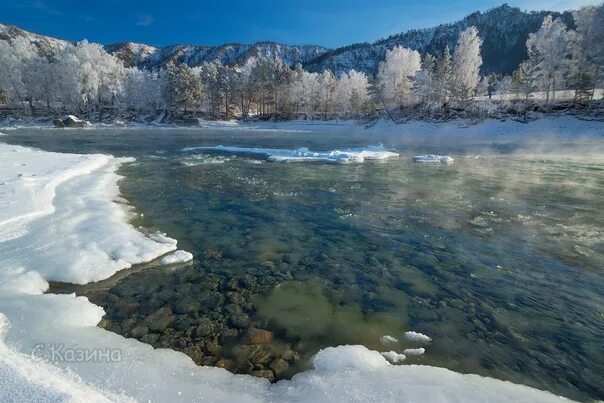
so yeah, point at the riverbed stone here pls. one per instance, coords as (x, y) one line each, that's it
(186, 305)
(279, 366)
(232, 309)
(225, 363)
(264, 373)
(258, 336)
(204, 328)
(150, 338)
(213, 349)
(195, 353)
(239, 321)
(159, 320)
(235, 298)
(139, 331)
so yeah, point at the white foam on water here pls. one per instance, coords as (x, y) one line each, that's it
(65, 222)
(359, 154)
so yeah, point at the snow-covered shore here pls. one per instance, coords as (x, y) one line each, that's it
(59, 221)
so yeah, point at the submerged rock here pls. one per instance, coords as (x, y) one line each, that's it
(239, 321)
(139, 331)
(159, 320)
(259, 336)
(264, 373)
(279, 366)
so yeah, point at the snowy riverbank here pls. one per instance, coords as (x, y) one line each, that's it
(59, 220)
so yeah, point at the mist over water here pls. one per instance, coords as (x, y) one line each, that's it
(498, 257)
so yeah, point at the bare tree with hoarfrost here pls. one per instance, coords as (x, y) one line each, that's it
(14, 56)
(395, 77)
(549, 51)
(181, 87)
(466, 64)
(351, 94)
(141, 90)
(587, 48)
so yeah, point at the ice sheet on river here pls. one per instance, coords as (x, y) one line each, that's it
(59, 219)
(359, 154)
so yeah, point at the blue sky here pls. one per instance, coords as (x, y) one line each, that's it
(210, 22)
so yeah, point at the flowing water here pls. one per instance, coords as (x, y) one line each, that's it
(498, 257)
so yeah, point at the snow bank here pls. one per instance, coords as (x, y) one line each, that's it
(363, 375)
(66, 226)
(359, 154)
(180, 256)
(78, 234)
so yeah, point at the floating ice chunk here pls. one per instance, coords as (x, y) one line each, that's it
(435, 159)
(414, 351)
(393, 357)
(417, 337)
(388, 340)
(180, 256)
(359, 154)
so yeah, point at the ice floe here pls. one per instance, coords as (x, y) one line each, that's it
(433, 159)
(414, 351)
(347, 155)
(417, 337)
(180, 256)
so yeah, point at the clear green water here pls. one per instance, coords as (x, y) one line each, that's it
(500, 258)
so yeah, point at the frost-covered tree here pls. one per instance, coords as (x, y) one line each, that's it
(88, 77)
(181, 87)
(587, 52)
(351, 95)
(141, 90)
(523, 78)
(549, 51)
(246, 86)
(425, 82)
(466, 64)
(395, 76)
(590, 27)
(443, 76)
(503, 88)
(359, 99)
(14, 57)
(327, 92)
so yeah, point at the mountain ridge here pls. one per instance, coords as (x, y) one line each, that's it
(504, 31)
